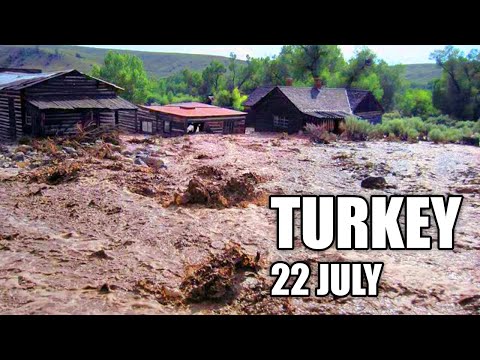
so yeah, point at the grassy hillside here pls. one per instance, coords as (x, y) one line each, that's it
(59, 57)
(421, 74)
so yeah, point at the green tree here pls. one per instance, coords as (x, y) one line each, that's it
(232, 67)
(223, 98)
(305, 62)
(456, 93)
(211, 76)
(366, 71)
(417, 102)
(250, 75)
(360, 65)
(393, 83)
(238, 99)
(233, 99)
(126, 71)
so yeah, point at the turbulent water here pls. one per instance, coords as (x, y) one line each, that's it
(90, 245)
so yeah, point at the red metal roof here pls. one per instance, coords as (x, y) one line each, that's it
(194, 109)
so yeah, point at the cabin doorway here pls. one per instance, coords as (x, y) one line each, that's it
(228, 126)
(195, 127)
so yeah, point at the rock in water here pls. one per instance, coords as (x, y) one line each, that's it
(19, 156)
(154, 162)
(69, 150)
(24, 149)
(140, 162)
(373, 182)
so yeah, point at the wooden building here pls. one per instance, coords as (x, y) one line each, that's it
(177, 119)
(289, 109)
(48, 104)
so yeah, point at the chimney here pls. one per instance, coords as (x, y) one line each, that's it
(289, 81)
(317, 83)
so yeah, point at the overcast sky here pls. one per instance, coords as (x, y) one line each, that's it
(393, 54)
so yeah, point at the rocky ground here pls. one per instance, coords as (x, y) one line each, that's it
(180, 226)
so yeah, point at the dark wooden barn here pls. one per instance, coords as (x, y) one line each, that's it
(177, 119)
(289, 109)
(47, 104)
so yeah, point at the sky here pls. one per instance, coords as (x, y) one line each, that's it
(392, 54)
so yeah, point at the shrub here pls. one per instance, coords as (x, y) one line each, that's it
(436, 135)
(438, 129)
(412, 135)
(391, 115)
(416, 123)
(377, 132)
(453, 135)
(357, 129)
(476, 127)
(441, 120)
(396, 127)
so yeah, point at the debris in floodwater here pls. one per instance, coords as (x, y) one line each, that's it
(373, 182)
(216, 278)
(236, 191)
(145, 141)
(105, 289)
(255, 299)
(143, 189)
(471, 303)
(101, 254)
(56, 174)
(210, 171)
(162, 294)
(202, 156)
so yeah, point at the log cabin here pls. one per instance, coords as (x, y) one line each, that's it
(34, 103)
(289, 109)
(177, 119)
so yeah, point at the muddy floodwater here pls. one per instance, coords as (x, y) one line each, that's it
(123, 237)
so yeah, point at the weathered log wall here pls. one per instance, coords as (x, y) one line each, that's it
(275, 103)
(126, 121)
(62, 122)
(7, 131)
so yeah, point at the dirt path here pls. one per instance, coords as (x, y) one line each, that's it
(98, 245)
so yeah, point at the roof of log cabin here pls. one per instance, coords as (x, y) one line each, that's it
(81, 102)
(194, 110)
(18, 80)
(323, 102)
(258, 94)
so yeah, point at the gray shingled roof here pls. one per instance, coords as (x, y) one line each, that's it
(257, 95)
(11, 80)
(324, 102)
(311, 100)
(355, 97)
(81, 102)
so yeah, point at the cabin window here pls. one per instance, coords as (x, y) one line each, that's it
(167, 126)
(280, 122)
(147, 126)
